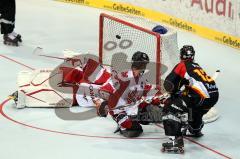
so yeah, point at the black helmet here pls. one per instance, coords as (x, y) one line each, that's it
(140, 60)
(187, 52)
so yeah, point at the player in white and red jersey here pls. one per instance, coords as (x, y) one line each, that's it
(129, 88)
(94, 84)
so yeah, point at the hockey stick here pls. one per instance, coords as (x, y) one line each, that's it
(39, 52)
(162, 96)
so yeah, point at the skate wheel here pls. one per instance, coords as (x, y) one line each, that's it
(181, 151)
(163, 149)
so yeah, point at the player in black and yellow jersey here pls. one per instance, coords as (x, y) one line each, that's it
(200, 93)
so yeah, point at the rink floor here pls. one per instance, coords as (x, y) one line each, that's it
(40, 134)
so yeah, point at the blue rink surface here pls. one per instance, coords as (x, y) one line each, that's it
(40, 134)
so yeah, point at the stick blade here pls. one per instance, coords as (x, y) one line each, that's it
(216, 74)
(38, 51)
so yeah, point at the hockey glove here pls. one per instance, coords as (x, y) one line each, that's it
(102, 109)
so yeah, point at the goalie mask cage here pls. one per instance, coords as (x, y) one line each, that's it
(120, 36)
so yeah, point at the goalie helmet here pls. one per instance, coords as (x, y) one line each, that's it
(140, 60)
(187, 52)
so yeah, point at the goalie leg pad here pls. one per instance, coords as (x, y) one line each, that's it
(43, 97)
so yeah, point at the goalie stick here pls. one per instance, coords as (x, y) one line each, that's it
(39, 52)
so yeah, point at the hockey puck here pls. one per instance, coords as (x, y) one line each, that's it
(118, 36)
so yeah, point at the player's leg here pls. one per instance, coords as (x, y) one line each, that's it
(208, 103)
(7, 16)
(8, 10)
(195, 122)
(172, 123)
(197, 108)
(128, 127)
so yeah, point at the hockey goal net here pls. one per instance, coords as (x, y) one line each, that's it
(120, 36)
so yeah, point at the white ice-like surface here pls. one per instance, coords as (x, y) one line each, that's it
(57, 26)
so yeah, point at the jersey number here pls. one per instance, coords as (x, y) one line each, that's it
(203, 75)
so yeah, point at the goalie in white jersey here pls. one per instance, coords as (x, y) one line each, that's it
(126, 104)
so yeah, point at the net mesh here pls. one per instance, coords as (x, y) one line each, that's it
(123, 35)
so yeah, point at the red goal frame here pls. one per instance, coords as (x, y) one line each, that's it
(158, 50)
